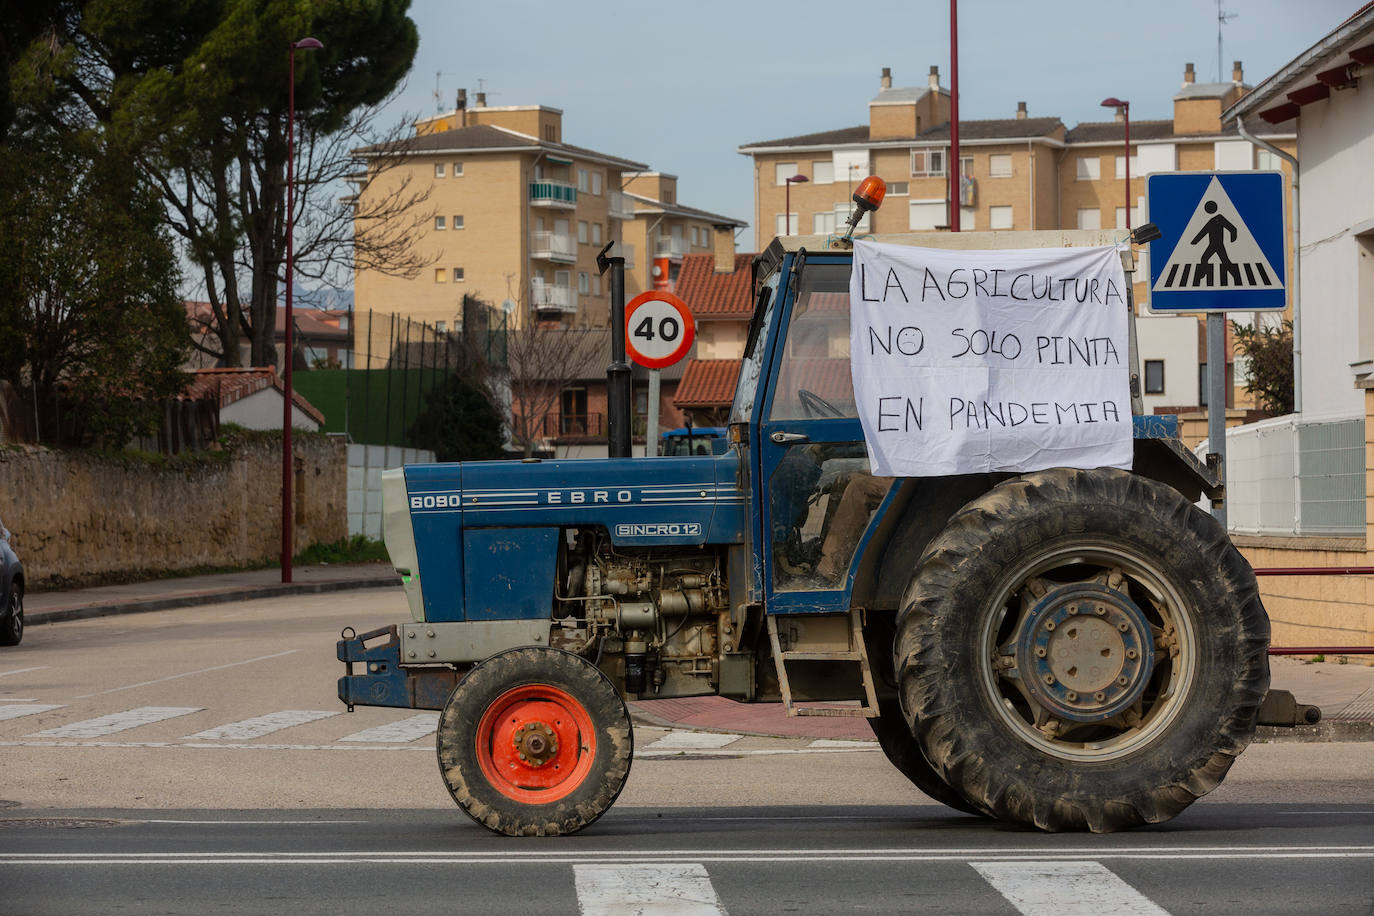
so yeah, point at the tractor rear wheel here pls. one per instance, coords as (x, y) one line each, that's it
(534, 742)
(1082, 650)
(899, 744)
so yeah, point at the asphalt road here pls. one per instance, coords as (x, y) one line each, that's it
(199, 761)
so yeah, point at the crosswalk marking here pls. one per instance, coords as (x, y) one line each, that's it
(398, 732)
(693, 741)
(1074, 888)
(14, 711)
(629, 890)
(258, 726)
(116, 722)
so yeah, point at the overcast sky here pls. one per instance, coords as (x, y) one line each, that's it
(681, 86)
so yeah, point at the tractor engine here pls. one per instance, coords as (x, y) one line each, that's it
(648, 617)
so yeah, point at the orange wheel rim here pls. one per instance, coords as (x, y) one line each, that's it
(535, 744)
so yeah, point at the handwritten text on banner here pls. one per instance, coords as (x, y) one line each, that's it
(976, 361)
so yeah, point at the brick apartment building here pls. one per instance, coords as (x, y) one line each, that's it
(1016, 173)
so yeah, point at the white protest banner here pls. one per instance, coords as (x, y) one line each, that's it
(977, 361)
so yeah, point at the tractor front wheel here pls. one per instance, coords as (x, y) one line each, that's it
(535, 742)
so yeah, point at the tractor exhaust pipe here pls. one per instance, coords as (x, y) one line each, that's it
(618, 372)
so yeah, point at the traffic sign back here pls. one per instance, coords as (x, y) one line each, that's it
(1221, 244)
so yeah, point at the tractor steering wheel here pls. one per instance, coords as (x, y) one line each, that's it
(817, 406)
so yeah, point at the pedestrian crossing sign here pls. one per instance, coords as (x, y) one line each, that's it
(1222, 241)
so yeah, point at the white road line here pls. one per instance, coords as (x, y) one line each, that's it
(1065, 889)
(21, 670)
(593, 857)
(396, 732)
(857, 744)
(631, 890)
(697, 741)
(13, 712)
(258, 726)
(18, 699)
(173, 677)
(116, 722)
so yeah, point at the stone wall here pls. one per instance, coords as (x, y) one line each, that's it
(78, 517)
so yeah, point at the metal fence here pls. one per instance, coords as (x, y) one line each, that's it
(1290, 476)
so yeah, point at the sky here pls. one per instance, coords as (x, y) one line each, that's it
(681, 86)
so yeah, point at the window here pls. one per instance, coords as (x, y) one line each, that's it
(438, 170)
(781, 172)
(823, 223)
(844, 211)
(1264, 160)
(966, 219)
(457, 275)
(823, 171)
(596, 233)
(1121, 166)
(1089, 218)
(596, 284)
(582, 232)
(1089, 168)
(584, 283)
(457, 170)
(965, 166)
(582, 180)
(927, 162)
(926, 214)
(439, 224)
(440, 275)
(596, 183)
(999, 217)
(695, 236)
(441, 326)
(999, 165)
(784, 227)
(458, 221)
(898, 189)
(1121, 217)
(1154, 376)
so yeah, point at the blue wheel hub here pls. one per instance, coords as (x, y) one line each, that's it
(1086, 653)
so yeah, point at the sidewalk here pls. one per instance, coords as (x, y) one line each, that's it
(1344, 692)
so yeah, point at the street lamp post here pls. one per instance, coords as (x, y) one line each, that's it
(1125, 109)
(787, 206)
(305, 44)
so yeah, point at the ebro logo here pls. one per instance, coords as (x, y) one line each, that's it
(436, 501)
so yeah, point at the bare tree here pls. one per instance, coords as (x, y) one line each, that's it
(544, 360)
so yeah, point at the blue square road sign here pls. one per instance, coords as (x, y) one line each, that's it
(1222, 241)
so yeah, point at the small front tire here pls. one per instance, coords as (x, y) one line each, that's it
(535, 742)
(12, 623)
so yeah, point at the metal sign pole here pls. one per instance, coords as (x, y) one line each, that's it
(651, 426)
(1216, 397)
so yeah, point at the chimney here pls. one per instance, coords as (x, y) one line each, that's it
(482, 98)
(1120, 115)
(887, 78)
(462, 99)
(934, 77)
(724, 243)
(1188, 75)
(1237, 75)
(1020, 111)
(462, 108)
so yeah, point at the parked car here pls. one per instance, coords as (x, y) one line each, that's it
(12, 591)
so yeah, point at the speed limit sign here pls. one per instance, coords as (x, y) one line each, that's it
(659, 329)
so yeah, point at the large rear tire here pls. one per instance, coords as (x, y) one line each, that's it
(535, 742)
(902, 750)
(1082, 650)
(12, 618)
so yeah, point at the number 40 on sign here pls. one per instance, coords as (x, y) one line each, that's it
(659, 329)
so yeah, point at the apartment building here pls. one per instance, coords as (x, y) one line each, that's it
(514, 215)
(1015, 173)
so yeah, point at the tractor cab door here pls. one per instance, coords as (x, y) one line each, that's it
(816, 498)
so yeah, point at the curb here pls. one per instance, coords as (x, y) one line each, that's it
(1327, 730)
(196, 599)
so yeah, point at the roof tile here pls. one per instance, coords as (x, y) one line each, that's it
(707, 383)
(716, 295)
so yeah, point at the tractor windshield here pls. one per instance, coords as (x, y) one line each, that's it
(813, 370)
(748, 383)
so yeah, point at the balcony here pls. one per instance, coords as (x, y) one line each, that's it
(550, 296)
(553, 246)
(670, 247)
(620, 206)
(560, 195)
(575, 426)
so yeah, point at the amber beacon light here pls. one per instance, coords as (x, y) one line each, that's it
(867, 198)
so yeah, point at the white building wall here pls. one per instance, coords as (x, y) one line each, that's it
(1335, 152)
(262, 410)
(1173, 339)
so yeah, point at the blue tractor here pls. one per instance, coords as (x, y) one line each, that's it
(1065, 649)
